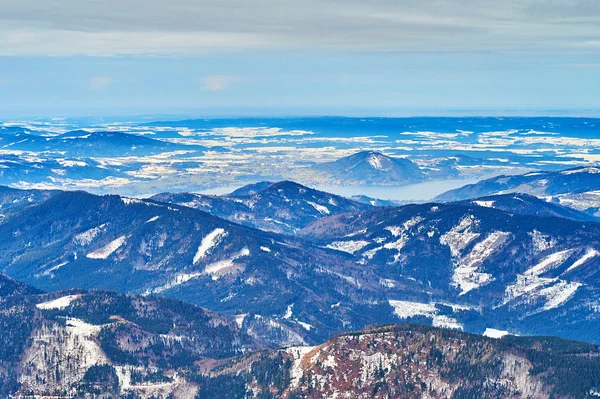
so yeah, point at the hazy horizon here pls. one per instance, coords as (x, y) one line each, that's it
(381, 58)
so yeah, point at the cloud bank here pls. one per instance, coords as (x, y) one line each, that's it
(192, 27)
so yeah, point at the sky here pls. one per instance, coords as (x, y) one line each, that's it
(284, 57)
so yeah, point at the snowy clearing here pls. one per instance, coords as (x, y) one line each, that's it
(208, 242)
(323, 210)
(493, 333)
(59, 303)
(107, 250)
(347, 246)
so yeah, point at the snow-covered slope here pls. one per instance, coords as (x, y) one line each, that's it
(77, 343)
(514, 269)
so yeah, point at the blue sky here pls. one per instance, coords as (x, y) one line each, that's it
(206, 58)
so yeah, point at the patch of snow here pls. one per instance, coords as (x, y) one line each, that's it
(306, 326)
(52, 269)
(239, 319)
(329, 362)
(323, 210)
(288, 312)
(586, 201)
(347, 246)
(228, 297)
(541, 242)
(559, 294)
(179, 279)
(493, 333)
(590, 170)
(59, 356)
(525, 285)
(178, 387)
(356, 233)
(549, 262)
(397, 245)
(485, 204)
(130, 201)
(460, 235)
(222, 267)
(375, 160)
(406, 309)
(466, 275)
(591, 253)
(531, 287)
(399, 230)
(87, 236)
(82, 328)
(371, 252)
(300, 354)
(108, 249)
(386, 282)
(59, 303)
(212, 239)
(446, 322)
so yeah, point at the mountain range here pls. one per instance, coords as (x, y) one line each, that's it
(189, 295)
(518, 268)
(526, 204)
(577, 188)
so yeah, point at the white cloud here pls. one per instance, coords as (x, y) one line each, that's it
(217, 82)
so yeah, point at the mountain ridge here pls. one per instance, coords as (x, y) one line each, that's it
(576, 188)
(281, 207)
